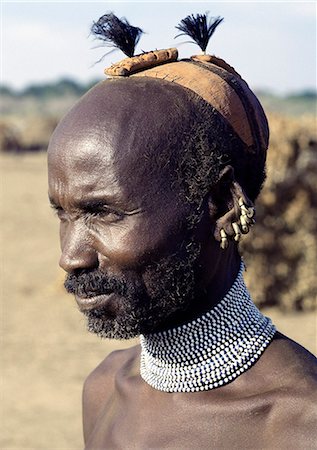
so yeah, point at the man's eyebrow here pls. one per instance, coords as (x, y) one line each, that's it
(87, 204)
(92, 205)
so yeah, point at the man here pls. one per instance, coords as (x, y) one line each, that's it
(154, 177)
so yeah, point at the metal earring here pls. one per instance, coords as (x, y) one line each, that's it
(246, 217)
(246, 220)
(224, 239)
(237, 232)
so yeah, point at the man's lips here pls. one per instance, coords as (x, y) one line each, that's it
(89, 303)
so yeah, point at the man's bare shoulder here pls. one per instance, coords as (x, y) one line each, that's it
(286, 368)
(292, 372)
(291, 357)
(104, 374)
(289, 377)
(99, 386)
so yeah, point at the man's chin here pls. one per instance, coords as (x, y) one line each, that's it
(100, 323)
(128, 321)
(109, 316)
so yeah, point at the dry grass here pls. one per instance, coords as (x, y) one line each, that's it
(46, 352)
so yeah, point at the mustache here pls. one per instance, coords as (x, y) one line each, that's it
(90, 283)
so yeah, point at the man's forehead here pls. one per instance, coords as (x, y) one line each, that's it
(119, 120)
(78, 150)
(80, 162)
(131, 112)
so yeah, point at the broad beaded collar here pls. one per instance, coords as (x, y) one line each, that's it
(210, 351)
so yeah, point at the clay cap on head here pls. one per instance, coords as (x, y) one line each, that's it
(211, 78)
(224, 90)
(128, 66)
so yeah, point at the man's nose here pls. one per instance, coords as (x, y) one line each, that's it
(77, 252)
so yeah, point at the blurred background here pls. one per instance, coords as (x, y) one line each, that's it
(47, 64)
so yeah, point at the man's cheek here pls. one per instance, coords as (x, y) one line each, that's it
(124, 247)
(123, 251)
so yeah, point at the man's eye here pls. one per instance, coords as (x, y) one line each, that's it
(106, 214)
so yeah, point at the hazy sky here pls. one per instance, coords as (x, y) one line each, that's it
(272, 44)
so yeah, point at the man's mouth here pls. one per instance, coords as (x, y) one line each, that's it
(89, 303)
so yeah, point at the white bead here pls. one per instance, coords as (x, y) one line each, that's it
(211, 350)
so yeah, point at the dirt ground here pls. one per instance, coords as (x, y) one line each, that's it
(46, 352)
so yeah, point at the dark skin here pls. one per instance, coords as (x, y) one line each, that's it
(101, 159)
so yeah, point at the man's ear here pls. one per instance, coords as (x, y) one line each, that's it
(230, 208)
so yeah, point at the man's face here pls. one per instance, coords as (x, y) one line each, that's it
(129, 256)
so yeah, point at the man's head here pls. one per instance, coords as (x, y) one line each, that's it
(142, 172)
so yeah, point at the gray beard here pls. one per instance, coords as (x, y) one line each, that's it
(167, 288)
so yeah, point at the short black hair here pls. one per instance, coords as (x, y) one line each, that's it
(206, 147)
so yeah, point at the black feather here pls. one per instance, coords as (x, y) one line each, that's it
(199, 28)
(118, 33)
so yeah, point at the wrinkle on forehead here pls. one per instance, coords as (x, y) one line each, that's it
(78, 166)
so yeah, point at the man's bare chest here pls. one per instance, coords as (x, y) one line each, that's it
(177, 422)
(263, 408)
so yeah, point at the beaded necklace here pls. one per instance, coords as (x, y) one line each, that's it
(210, 351)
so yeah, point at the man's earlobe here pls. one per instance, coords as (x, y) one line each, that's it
(235, 211)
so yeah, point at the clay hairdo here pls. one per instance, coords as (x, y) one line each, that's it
(212, 79)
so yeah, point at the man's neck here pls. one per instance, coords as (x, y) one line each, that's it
(211, 351)
(216, 280)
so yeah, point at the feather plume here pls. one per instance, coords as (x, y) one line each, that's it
(118, 33)
(199, 28)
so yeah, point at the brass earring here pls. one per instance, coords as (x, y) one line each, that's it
(246, 217)
(237, 232)
(245, 222)
(224, 239)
